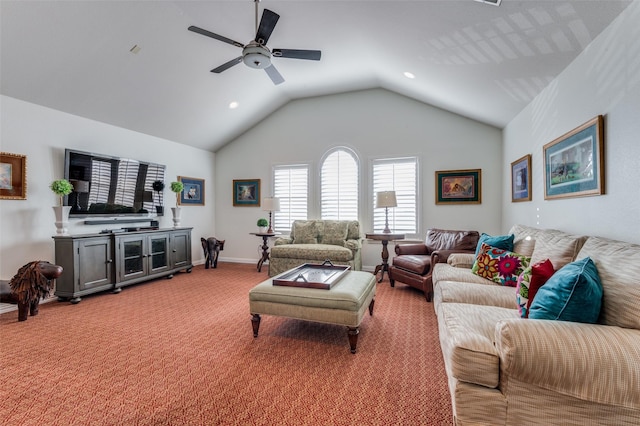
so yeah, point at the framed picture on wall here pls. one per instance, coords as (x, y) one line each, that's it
(13, 176)
(521, 179)
(246, 192)
(574, 162)
(193, 192)
(459, 186)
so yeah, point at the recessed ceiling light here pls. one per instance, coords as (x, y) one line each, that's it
(409, 74)
(493, 2)
(135, 49)
(233, 105)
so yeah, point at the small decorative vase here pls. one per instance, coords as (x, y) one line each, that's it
(62, 219)
(262, 229)
(176, 216)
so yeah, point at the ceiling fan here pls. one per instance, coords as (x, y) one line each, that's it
(256, 54)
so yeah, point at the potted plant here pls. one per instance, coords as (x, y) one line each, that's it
(262, 225)
(176, 187)
(158, 186)
(61, 187)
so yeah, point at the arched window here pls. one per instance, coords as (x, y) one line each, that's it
(339, 178)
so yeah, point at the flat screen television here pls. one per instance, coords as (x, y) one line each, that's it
(112, 186)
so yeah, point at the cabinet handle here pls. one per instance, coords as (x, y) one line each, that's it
(110, 261)
(174, 250)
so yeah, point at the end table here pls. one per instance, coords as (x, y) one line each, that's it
(384, 238)
(265, 246)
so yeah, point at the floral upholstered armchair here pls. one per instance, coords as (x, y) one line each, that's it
(315, 241)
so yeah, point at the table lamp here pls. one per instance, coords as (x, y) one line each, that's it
(270, 204)
(386, 199)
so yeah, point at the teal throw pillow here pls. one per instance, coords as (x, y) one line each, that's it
(504, 242)
(573, 293)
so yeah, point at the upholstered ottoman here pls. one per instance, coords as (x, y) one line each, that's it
(344, 304)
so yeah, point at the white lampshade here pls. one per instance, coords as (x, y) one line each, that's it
(386, 199)
(271, 204)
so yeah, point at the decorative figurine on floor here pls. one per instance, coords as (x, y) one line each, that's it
(32, 282)
(211, 247)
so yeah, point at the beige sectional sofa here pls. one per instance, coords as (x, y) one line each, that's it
(506, 370)
(315, 241)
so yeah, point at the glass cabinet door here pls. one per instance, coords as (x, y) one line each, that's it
(133, 256)
(159, 252)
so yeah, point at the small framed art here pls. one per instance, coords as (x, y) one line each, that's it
(13, 176)
(521, 179)
(459, 186)
(193, 192)
(574, 162)
(246, 192)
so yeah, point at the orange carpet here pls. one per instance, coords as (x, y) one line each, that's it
(181, 352)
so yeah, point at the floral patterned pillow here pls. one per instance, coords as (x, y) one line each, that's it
(531, 279)
(500, 266)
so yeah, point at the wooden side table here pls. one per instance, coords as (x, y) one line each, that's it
(384, 239)
(265, 246)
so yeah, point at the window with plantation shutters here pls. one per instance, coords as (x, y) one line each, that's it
(399, 175)
(291, 186)
(100, 182)
(339, 186)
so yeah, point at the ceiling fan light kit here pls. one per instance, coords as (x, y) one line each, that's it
(256, 54)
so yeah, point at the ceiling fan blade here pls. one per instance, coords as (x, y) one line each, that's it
(312, 55)
(267, 24)
(274, 75)
(216, 36)
(227, 65)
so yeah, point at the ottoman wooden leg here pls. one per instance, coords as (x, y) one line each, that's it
(353, 338)
(371, 307)
(255, 323)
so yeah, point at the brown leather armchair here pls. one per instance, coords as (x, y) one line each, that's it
(414, 262)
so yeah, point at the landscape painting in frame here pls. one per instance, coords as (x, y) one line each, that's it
(458, 186)
(574, 162)
(193, 192)
(13, 176)
(521, 179)
(246, 192)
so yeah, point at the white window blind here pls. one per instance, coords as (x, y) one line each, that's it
(100, 182)
(399, 175)
(291, 186)
(127, 182)
(339, 186)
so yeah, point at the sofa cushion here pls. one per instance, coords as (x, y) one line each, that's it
(312, 252)
(413, 263)
(475, 294)
(529, 282)
(466, 336)
(618, 264)
(573, 293)
(500, 266)
(559, 247)
(461, 260)
(446, 239)
(335, 232)
(305, 232)
(446, 272)
(504, 242)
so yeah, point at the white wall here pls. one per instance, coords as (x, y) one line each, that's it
(42, 134)
(604, 79)
(375, 124)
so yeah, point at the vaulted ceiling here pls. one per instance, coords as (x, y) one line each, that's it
(477, 60)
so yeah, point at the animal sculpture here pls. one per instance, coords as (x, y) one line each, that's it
(211, 247)
(32, 282)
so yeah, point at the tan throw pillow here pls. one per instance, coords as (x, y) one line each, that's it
(305, 233)
(559, 248)
(335, 232)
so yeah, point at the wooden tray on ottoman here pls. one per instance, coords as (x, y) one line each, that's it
(311, 275)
